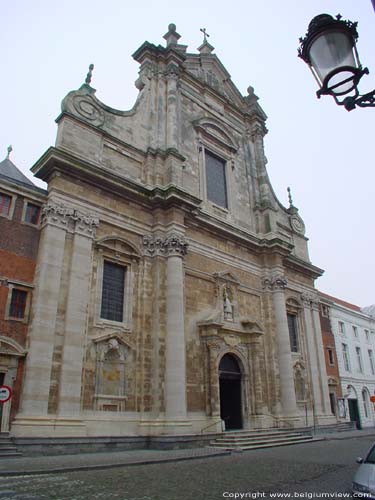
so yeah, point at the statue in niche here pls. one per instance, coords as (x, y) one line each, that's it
(228, 306)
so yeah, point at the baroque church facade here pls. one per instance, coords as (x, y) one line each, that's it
(173, 292)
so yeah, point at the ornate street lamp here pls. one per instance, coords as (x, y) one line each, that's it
(329, 49)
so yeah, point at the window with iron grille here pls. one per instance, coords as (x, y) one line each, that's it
(17, 306)
(216, 180)
(5, 202)
(293, 332)
(112, 307)
(32, 213)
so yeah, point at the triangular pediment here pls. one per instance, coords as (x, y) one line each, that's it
(103, 339)
(211, 71)
(227, 276)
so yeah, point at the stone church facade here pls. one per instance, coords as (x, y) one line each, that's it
(173, 292)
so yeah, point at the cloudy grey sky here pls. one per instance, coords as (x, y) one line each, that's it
(323, 152)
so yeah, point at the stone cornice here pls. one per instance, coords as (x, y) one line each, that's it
(303, 267)
(59, 160)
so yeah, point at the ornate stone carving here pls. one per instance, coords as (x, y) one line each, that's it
(231, 340)
(57, 215)
(275, 283)
(85, 224)
(171, 245)
(70, 219)
(297, 224)
(86, 107)
(310, 300)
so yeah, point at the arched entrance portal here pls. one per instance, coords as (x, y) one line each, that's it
(230, 392)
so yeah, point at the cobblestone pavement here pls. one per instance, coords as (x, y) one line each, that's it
(303, 470)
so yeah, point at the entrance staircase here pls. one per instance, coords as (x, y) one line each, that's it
(251, 440)
(7, 448)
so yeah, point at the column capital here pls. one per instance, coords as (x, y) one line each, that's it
(275, 283)
(85, 224)
(174, 244)
(310, 300)
(56, 215)
(69, 219)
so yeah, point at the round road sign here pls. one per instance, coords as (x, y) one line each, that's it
(5, 393)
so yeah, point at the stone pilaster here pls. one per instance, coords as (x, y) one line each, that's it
(173, 248)
(326, 407)
(55, 222)
(76, 315)
(312, 354)
(172, 129)
(255, 360)
(277, 286)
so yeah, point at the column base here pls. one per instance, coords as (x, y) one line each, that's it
(170, 427)
(48, 427)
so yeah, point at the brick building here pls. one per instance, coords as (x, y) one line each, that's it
(332, 366)
(173, 291)
(20, 207)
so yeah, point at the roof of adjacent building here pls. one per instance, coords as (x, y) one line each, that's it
(9, 169)
(341, 302)
(370, 310)
(9, 172)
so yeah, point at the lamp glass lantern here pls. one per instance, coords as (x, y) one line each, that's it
(329, 48)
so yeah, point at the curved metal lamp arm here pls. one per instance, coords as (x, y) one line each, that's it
(363, 101)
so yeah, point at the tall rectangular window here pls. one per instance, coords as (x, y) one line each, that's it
(113, 288)
(367, 336)
(32, 213)
(355, 331)
(341, 328)
(359, 359)
(17, 306)
(345, 356)
(5, 202)
(331, 358)
(216, 180)
(293, 332)
(371, 359)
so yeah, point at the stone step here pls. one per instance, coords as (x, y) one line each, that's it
(243, 440)
(7, 448)
(265, 440)
(256, 446)
(262, 435)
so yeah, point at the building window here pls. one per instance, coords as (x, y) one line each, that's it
(325, 310)
(5, 202)
(359, 359)
(367, 336)
(341, 327)
(331, 359)
(293, 332)
(365, 400)
(216, 184)
(355, 331)
(371, 358)
(32, 213)
(113, 287)
(18, 302)
(345, 355)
